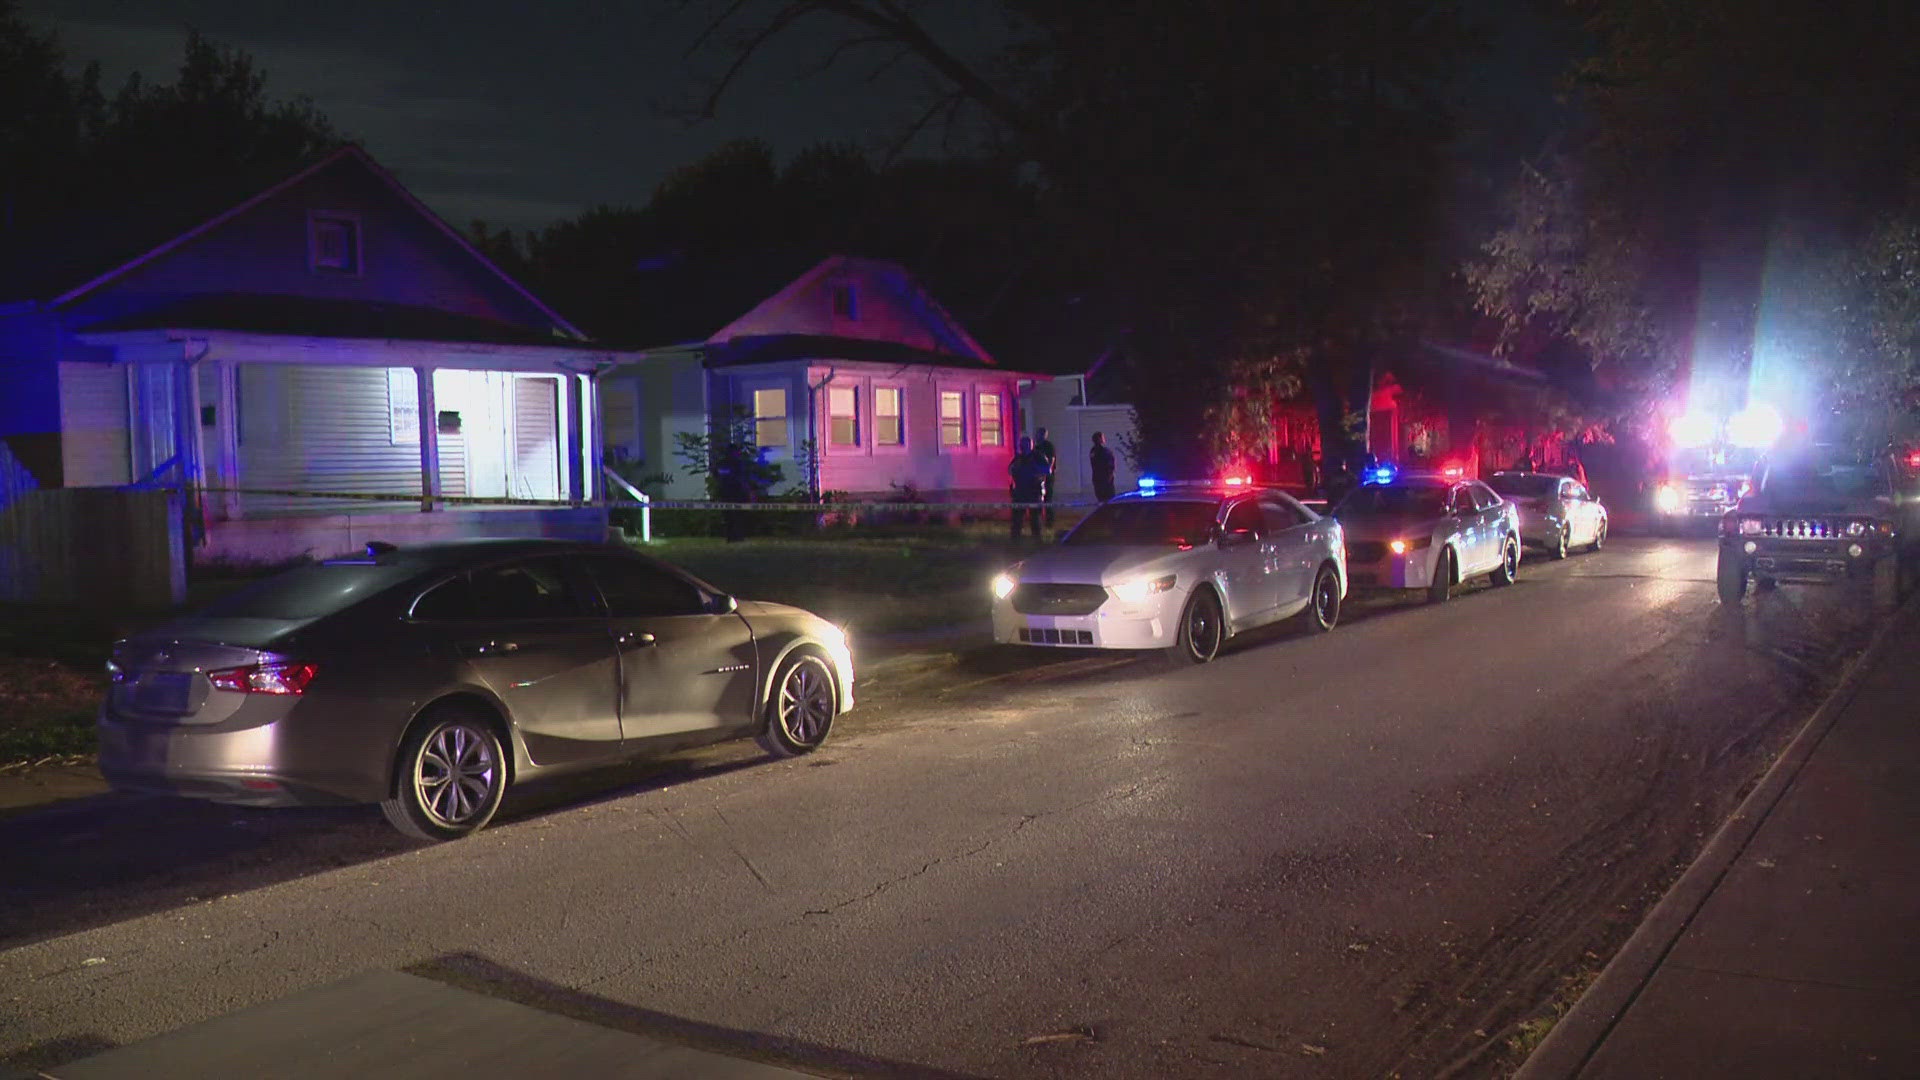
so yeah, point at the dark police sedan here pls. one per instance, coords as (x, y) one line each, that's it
(429, 679)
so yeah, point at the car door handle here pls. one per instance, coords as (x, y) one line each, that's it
(488, 648)
(637, 640)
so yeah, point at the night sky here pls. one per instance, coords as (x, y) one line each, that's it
(516, 113)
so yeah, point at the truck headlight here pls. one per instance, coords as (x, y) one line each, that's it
(1666, 499)
(1003, 586)
(1751, 526)
(1856, 528)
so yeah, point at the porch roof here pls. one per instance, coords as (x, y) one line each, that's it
(305, 316)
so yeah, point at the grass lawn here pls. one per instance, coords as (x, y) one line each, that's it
(875, 586)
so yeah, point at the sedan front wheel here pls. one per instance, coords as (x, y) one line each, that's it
(1509, 567)
(1202, 630)
(802, 707)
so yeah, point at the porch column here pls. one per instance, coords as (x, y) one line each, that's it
(596, 447)
(429, 439)
(576, 444)
(226, 429)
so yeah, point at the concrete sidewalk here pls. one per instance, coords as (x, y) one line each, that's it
(1791, 948)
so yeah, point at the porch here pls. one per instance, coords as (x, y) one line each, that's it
(292, 446)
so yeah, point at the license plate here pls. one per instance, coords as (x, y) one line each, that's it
(163, 691)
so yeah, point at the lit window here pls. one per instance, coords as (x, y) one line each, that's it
(843, 422)
(953, 418)
(887, 429)
(334, 243)
(770, 418)
(990, 420)
(846, 302)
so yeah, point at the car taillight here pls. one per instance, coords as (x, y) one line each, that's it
(281, 678)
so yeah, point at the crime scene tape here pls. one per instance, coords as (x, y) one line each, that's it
(657, 504)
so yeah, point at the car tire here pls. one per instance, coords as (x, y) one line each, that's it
(1559, 548)
(1599, 538)
(1730, 575)
(1509, 567)
(1203, 629)
(1440, 590)
(449, 776)
(801, 706)
(1322, 612)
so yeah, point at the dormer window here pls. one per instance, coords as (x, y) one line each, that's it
(846, 302)
(333, 243)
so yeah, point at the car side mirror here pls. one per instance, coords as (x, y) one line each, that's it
(724, 604)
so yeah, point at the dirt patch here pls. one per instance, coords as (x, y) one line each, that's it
(46, 708)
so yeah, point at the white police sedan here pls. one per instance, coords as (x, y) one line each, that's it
(1431, 533)
(1177, 567)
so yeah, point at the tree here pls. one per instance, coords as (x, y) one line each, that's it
(1727, 206)
(67, 149)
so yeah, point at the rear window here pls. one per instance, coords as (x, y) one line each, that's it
(309, 592)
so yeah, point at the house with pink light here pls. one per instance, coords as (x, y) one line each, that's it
(852, 359)
(314, 363)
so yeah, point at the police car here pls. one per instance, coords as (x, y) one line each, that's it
(1179, 567)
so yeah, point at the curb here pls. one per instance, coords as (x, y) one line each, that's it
(1573, 1041)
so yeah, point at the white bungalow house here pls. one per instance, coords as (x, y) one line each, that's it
(854, 359)
(323, 363)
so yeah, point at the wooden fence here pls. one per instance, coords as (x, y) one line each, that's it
(94, 548)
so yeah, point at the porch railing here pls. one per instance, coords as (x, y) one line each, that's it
(641, 497)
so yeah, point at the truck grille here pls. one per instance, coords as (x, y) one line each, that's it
(1047, 598)
(1801, 528)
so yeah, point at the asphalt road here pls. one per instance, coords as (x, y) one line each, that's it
(1373, 851)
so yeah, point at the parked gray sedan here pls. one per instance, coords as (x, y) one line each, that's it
(429, 679)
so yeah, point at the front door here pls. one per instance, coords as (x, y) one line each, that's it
(1291, 537)
(1249, 562)
(533, 634)
(683, 668)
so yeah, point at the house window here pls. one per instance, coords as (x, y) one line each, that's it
(991, 433)
(770, 418)
(887, 429)
(846, 302)
(843, 420)
(333, 243)
(953, 418)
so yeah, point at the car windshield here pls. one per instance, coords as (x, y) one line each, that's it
(1143, 522)
(1715, 461)
(1524, 485)
(1400, 500)
(308, 592)
(1821, 476)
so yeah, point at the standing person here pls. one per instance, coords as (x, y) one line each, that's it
(1028, 475)
(1043, 450)
(1101, 459)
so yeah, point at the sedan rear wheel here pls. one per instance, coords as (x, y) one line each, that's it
(1559, 549)
(1202, 630)
(450, 778)
(1599, 537)
(801, 710)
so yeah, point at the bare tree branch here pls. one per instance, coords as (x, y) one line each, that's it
(786, 17)
(713, 26)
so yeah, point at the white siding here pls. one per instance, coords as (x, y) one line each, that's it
(93, 425)
(328, 429)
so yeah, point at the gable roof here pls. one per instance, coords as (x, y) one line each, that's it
(68, 259)
(925, 312)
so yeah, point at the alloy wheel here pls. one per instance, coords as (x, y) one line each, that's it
(455, 773)
(1203, 630)
(806, 704)
(1326, 599)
